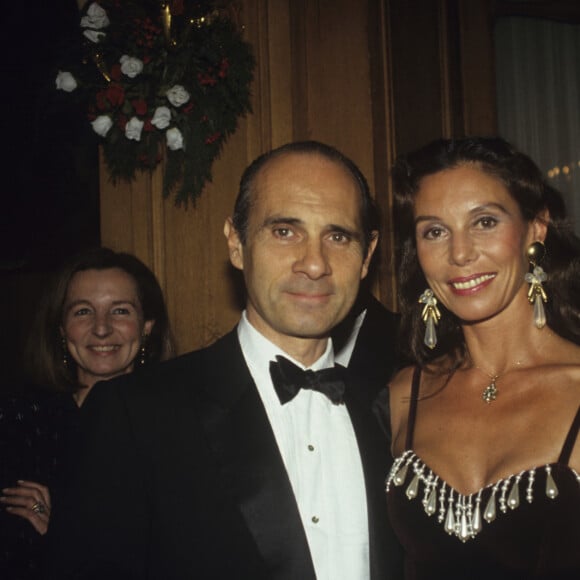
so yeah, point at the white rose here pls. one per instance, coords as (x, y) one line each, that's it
(96, 17)
(177, 95)
(65, 81)
(94, 36)
(174, 139)
(131, 66)
(102, 125)
(133, 129)
(161, 118)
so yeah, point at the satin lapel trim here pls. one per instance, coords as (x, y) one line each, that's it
(253, 473)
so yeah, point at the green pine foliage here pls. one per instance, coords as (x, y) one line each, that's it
(191, 45)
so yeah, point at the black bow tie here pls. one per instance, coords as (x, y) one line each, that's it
(288, 379)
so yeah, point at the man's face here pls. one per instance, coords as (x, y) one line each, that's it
(303, 258)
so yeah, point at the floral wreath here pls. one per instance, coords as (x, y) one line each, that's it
(163, 80)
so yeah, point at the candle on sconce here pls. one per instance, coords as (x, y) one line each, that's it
(166, 20)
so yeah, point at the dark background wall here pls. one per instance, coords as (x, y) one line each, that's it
(374, 77)
(49, 196)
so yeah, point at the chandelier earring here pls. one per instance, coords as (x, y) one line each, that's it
(536, 294)
(64, 351)
(430, 316)
(143, 351)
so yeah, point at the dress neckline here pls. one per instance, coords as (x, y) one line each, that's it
(462, 514)
(567, 446)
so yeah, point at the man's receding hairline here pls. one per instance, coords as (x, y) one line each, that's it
(277, 156)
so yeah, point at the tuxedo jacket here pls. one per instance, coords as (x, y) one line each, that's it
(179, 477)
(375, 355)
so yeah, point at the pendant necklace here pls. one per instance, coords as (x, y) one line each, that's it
(490, 392)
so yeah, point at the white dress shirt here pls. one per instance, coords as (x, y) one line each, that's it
(319, 449)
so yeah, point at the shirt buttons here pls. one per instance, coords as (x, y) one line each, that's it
(315, 519)
(311, 448)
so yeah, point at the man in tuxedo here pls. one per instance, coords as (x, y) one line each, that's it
(217, 464)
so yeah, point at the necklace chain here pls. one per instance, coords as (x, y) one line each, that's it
(491, 392)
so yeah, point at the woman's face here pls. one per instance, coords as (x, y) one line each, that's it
(103, 324)
(471, 242)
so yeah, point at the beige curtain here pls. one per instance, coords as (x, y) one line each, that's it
(538, 96)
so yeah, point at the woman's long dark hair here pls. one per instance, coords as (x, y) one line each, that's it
(526, 184)
(45, 351)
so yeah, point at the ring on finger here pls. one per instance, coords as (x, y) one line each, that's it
(38, 508)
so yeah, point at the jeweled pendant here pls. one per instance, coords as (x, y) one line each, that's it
(431, 504)
(401, 475)
(539, 312)
(551, 487)
(490, 510)
(413, 487)
(530, 487)
(430, 333)
(450, 520)
(476, 522)
(490, 392)
(463, 529)
(514, 496)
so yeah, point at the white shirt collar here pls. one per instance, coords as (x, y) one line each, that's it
(259, 351)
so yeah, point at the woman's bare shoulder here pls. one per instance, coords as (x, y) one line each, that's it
(399, 398)
(401, 382)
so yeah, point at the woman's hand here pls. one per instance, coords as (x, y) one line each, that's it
(29, 500)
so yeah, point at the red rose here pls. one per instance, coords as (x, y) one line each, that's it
(115, 94)
(224, 66)
(206, 79)
(212, 138)
(116, 72)
(101, 101)
(140, 106)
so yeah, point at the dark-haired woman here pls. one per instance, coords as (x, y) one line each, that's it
(485, 423)
(103, 317)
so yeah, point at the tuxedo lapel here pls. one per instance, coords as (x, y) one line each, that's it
(374, 354)
(251, 466)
